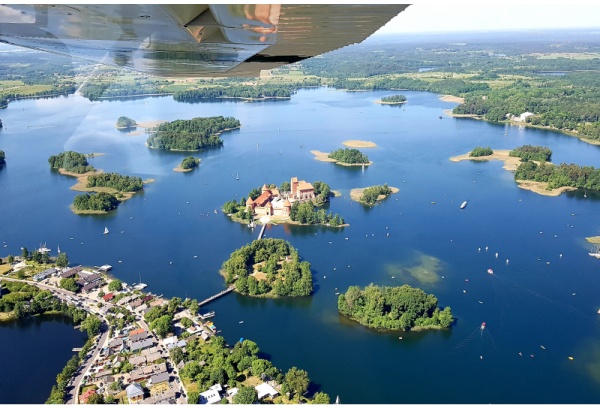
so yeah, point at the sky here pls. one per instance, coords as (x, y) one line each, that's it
(453, 16)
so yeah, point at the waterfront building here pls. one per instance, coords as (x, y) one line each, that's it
(271, 202)
(266, 390)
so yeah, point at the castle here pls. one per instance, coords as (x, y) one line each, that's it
(271, 202)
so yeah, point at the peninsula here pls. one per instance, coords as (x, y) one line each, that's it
(393, 308)
(268, 268)
(371, 195)
(534, 173)
(293, 202)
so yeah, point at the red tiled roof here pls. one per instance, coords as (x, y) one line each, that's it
(263, 199)
(108, 296)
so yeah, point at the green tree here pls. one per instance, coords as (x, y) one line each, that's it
(297, 381)
(69, 284)
(11, 259)
(321, 398)
(162, 326)
(24, 253)
(186, 322)
(110, 399)
(92, 325)
(245, 395)
(125, 122)
(115, 286)
(19, 310)
(95, 399)
(62, 260)
(193, 397)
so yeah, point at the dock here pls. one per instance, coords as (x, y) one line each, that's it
(77, 349)
(218, 295)
(262, 231)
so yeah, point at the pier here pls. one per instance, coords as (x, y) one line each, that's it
(262, 231)
(218, 295)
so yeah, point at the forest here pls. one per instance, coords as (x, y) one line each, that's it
(70, 161)
(305, 213)
(563, 175)
(125, 122)
(116, 181)
(191, 135)
(269, 267)
(101, 201)
(371, 194)
(393, 308)
(398, 98)
(190, 162)
(532, 153)
(349, 156)
(481, 152)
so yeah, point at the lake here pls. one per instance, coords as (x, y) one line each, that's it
(545, 295)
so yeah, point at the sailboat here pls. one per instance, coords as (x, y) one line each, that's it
(105, 230)
(58, 248)
(237, 176)
(337, 400)
(363, 168)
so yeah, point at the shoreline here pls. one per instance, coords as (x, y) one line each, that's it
(359, 144)
(390, 103)
(593, 239)
(511, 164)
(179, 169)
(452, 98)
(356, 194)
(324, 157)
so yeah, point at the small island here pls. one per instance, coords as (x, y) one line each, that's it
(293, 202)
(348, 157)
(392, 99)
(191, 135)
(95, 203)
(394, 308)
(188, 164)
(371, 195)
(268, 268)
(71, 161)
(125, 122)
(359, 144)
(593, 239)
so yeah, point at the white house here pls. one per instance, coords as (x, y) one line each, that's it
(212, 395)
(265, 390)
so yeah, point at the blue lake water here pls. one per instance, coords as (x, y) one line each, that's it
(537, 299)
(35, 351)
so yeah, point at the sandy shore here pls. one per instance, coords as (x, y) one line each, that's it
(389, 103)
(179, 169)
(450, 114)
(593, 239)
(452, 98)
(359, 144)
(324, 157)
(149, 124)
(356, 193)
(511, 164)
(336, 193)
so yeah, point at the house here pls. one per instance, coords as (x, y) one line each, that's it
(138, 360)
(135, 337)
(117, 344)
(151, 358)
(85, 396)
(89, 287)
(142, 344)
(108, 297)
(301, 190)
(136, 303)
(43, 275)
(167, 397)
(265, 390)
(159, 383)
(135, 393)
(70, 272)
(212, 395)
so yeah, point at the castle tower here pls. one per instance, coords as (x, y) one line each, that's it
(293, 186)
(287, 208)
(250, 204)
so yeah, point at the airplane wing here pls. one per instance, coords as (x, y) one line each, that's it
(192, 40)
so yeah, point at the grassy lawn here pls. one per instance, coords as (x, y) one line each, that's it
(5, 268)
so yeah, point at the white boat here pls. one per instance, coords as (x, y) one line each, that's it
(105, 230)
(463, 205)
(490, 271)
(140, 286)
(595, 254)
(237, 176)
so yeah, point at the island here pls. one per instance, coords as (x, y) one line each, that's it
(125, 122)
(393, 308)
(359, 144)
(115, 188)
(371, 195)
(268, 268)
(392, 99)
(593, 239)
(187, 164)
(191, 135)
(293, 202)
(71, 162)
(534, 173)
